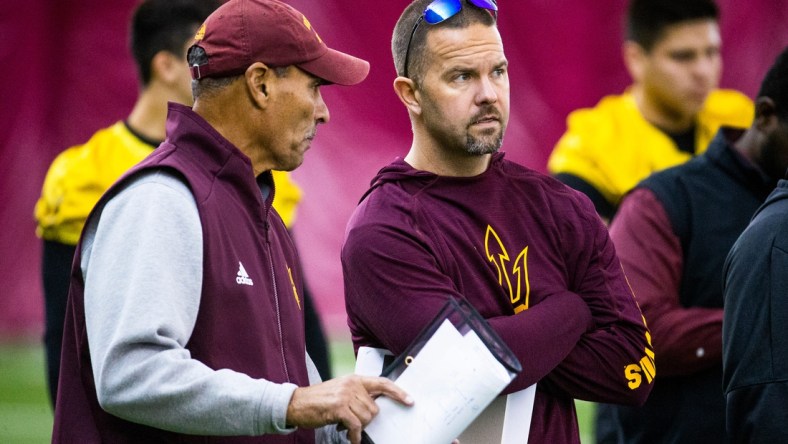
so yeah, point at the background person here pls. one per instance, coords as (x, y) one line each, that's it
(756, 287)
(441, 222)
(669, 114)
(672, 233)
(161, 31)
(195, 331)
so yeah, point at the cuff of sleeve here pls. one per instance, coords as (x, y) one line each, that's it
(272, 410)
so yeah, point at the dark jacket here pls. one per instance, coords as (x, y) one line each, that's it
(755, 328)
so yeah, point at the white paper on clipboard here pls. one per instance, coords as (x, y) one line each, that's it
(507, 420)
(453, 379)
(454, 369)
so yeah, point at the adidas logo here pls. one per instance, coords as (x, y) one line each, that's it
(243, 278)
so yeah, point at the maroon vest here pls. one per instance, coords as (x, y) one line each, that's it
(250, 317)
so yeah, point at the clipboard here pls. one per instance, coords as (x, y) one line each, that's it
(447, 411)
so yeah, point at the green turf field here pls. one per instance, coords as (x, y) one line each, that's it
(25, 415)
(26, 418)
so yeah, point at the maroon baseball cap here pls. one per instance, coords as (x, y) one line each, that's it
(242, 32)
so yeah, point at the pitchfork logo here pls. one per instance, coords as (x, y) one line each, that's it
(309, 27)
(513, 277)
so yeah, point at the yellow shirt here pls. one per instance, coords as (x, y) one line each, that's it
(81, 174)
(612, 147)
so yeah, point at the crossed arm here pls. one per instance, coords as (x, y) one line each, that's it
(578, 341)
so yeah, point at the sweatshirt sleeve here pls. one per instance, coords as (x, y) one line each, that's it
(142, 262)
(686, 339)
(613, 362)
(394, 288)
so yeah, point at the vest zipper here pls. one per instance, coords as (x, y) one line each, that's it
(276, 302)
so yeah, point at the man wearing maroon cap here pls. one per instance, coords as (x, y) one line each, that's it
(184, 320)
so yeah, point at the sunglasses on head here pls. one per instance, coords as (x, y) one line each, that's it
(442, 10)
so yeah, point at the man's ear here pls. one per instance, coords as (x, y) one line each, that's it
(635, 59)
(259, 81)
(408, 93)
(166, 67)
(765, 115)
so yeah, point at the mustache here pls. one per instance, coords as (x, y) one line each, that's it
(311, 135)
(486, 113)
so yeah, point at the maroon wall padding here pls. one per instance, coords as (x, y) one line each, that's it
(66, 71)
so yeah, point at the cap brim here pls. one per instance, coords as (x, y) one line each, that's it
(337, 67)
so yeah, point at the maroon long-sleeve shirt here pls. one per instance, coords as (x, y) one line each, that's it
(529, 253)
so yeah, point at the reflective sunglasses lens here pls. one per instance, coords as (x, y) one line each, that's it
(485, 4)
(441, 10)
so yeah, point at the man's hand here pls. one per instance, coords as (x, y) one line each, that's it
(347, 401)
